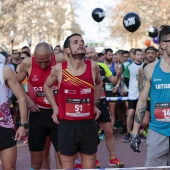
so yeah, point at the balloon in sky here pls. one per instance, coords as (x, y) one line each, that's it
(156, 40)
(98, 14)
(153, 32)
(147, 42)
(131, 21)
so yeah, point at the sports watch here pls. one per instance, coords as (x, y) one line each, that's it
(25, 125)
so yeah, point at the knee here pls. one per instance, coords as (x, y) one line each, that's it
(37, 163)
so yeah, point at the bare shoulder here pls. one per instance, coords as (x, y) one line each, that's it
(149, 68)
(8, 72)
(26, 63)
(94, 64)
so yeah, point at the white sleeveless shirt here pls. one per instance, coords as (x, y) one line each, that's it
(5, 115)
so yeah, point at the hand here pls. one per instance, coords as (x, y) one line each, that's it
(97, 112)
(54, 116)
(119, 71)
(115, 89)
(135, 143)
(31, 105)
(21, 133)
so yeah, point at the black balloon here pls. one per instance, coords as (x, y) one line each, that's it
(153, 32)
(131, 21)
(98, 14)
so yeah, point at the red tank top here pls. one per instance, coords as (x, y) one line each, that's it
(36, 82)
(76, 95)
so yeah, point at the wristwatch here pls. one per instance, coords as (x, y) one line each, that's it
(25, 125)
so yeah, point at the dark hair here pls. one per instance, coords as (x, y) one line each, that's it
(108, 50)
(164, 31)
(27, 53)
(150, 48)
(119, 52)
(14, 51)
(67, 41)
(137, 49)
(24, 47)
(100, 55)
(132, 50)
(125, 52)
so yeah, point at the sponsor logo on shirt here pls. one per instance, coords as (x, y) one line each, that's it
(35, 78)
(69, 91)
(85, 91)
(154, 79)
(162, 86)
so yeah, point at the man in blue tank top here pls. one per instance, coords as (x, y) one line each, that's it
(155, 84)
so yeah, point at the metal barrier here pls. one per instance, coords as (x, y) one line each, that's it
(118, 98)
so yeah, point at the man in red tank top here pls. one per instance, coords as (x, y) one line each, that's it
(37, 69)
(80, 86)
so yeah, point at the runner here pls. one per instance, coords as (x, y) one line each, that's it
(41, 124)
(80, 87)
(155, 83)
(104, 119)
(8, 149)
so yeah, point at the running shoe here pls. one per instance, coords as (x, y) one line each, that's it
(97, 164)
(142, 137)
(116, 163)
(78, 166)
(126, 139)
(102, 136)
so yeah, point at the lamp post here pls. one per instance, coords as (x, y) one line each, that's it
(12, 35)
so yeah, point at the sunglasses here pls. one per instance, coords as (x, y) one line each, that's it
(23, 58)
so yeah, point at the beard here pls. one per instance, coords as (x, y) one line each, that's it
(109, 60)
(78, 54)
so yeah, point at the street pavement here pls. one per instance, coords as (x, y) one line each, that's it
(122, 150)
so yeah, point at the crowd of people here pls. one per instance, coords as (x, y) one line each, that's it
(75, 97)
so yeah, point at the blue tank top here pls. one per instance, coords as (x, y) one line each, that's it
(160, 101)
(112, 68)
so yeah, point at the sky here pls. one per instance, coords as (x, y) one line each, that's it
(93, 31)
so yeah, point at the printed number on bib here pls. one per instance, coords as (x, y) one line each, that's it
(162, 112)
(103, 95)
(46, 101)
(77, 107)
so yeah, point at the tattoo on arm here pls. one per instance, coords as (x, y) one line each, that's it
(140, 115)
(143, 80)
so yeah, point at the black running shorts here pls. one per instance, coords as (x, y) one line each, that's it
(7, 136)
(132, 104)
(78, 136)
(41, 125)
(103, 107)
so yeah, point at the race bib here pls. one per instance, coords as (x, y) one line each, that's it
(77, 107)
(1, 116)
(162, 112)
(103, 95)
(108, 86)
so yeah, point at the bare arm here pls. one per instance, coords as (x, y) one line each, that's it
(142, 102)
(140, 77)
(98, 82)
(61, 57)
(54, 76)
(11, 81)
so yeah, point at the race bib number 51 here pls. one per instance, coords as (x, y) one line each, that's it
(162, 112)
(77, 107)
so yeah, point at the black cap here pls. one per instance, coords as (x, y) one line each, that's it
(5, 54)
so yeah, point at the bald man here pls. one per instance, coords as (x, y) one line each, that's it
(37, 69)
(104, 119)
